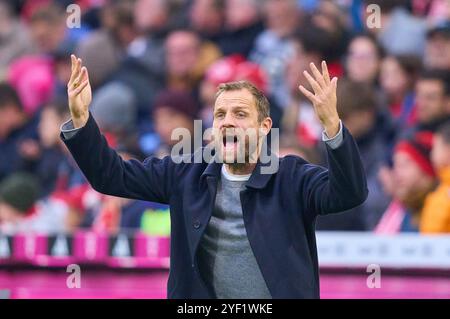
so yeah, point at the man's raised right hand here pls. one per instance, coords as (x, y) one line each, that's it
(79, 93)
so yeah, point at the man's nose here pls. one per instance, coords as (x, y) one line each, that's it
(228, 121)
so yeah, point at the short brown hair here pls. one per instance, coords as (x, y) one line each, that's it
(262, 104)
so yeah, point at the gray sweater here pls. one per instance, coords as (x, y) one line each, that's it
(225, 256)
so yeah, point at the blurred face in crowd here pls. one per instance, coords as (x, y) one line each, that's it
(240, 13)
(410, 181)
(440, 153)
(206, 16)
(49, 127)
(431, 102)
(393, 78)
(328, 16)
(297, 63)
(363, 61)
(182, 53)
(235, 112)
(48, 35)
(282, 16)
(167, 120)
(150, 14)
(437, 52)
(10, 117)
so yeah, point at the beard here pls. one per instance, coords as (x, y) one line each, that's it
(237, 150)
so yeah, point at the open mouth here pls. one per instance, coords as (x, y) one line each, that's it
(230, 140)
(230, 144)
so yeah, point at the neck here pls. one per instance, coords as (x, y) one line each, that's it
(240, 168)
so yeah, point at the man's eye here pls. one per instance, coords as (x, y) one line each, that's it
(240, 114)
(219, 115)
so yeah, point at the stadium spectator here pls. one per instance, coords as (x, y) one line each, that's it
(47, 158)
(61, 70)
(113, 214)
(49, 30)
(124, 44)
(187, 58)
(15, 127)
(412, 178)
(14, 37)
(437, 50)
(432, 99)
(143, 68)
(34, 80)
(103, 49)
(22, 212)
(436, 210)
(397, 78)
(115, 107)
(242, 24)
(357, 107)
(330, 17)
(207, 17)
(273, 47)
(399, 31)
(310, 46)
(173, 110)
(363, 59)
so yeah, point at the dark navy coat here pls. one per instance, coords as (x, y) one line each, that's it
(279, 209)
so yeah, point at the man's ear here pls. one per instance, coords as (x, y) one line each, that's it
(266, 125)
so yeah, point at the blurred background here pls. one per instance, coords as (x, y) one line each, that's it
(154, 66)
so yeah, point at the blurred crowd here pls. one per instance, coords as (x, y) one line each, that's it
(154, 66)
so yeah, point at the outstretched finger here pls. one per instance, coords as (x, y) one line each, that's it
(334, 84)
(76, 71)
(73, 60)
(316, 87)
(73, 75)
(325, 73)
(85, 74)
(308, 94)
(317, 75)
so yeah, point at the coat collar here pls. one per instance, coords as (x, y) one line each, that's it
(257, 180)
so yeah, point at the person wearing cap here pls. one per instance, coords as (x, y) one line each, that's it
(412, 178)
(437, 48)
(239, 229)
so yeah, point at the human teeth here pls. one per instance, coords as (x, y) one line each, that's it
(230, 139)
